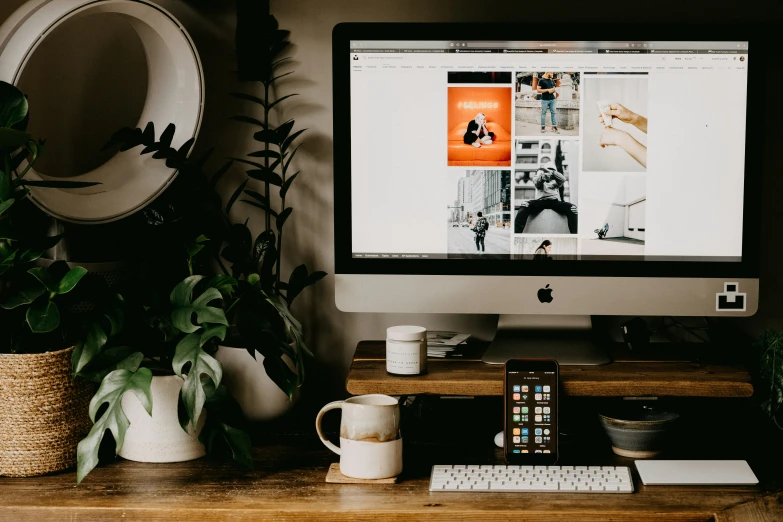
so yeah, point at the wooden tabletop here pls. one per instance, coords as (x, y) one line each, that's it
(289, 484)
(626, 377)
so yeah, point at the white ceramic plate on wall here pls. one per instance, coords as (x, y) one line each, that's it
(175, 94)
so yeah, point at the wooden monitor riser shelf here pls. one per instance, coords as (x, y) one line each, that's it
(622, 378)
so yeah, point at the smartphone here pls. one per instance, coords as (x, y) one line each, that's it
(530, 405)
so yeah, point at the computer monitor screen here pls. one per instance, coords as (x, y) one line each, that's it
(485, 169)
(531, 150)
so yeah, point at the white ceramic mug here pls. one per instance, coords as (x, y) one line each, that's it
(370, 442)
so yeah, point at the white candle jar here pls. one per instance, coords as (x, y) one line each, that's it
(406, 350)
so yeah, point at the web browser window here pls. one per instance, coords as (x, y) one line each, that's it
(548, 150)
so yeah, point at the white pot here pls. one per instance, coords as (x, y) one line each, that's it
(160, 438)
(246, 379)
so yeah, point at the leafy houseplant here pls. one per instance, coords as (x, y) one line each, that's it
(29, 296)
(770, 349)
(189, 325)
(263, 319)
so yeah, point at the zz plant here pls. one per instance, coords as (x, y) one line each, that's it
(264, 320)
(261, 318)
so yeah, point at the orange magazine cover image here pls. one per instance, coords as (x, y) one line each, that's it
(464, 104)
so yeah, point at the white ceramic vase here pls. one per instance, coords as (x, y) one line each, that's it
(246, 379)
(160, 438)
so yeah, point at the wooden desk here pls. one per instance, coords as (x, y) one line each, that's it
(288, 484)
(626, 377)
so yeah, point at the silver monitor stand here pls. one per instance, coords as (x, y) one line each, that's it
(566, 338)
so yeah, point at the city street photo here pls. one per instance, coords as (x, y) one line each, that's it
(546, 103)
(479, 212)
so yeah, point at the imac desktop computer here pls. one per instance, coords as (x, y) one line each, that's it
(480, 169)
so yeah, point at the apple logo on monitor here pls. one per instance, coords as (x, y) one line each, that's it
(545, 294)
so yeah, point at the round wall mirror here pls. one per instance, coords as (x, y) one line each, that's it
(90, 67)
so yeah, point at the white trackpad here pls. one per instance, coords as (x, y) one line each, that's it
(695, 472)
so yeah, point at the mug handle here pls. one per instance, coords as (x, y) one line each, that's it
(331, 406)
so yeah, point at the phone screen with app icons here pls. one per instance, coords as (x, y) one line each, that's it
(531, 411)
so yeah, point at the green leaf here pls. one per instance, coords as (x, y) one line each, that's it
(71, 279)
(262, 206)
(5, 205)
(287, 163)
(43, 316)
(26, 295)
(239, 443)
(201, 363)
(90, 347)
(287, 184)
(273, 80)
(225, 284)
(184, 307)
(167, 136)
(28, 255)
(110, 392)
(258, 197)
(266, 136)
(45, 277)
(11, 139)
(281, 374)
(293, 330)
(13, 105)
(211, 333)
(235, 195)
(284, 130)
(287, 143)
(114, 358)
(267, 176)
(281, 219)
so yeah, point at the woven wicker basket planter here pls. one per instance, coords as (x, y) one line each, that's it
(43, 413)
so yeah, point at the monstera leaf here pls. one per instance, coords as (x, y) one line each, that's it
(184, 306)
(113, 387)
(189, 353)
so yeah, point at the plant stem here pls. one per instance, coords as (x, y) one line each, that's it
(266, 159)
(280, 232)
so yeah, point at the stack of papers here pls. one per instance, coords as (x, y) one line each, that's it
(442, 344)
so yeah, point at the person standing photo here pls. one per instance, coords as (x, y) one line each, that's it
(546, 89)
(482, 225)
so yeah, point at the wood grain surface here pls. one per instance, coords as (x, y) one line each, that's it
(644, 378)
(288, 484)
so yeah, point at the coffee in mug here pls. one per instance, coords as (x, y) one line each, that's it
(370, 441)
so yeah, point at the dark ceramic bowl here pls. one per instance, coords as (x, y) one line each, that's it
(637, 431)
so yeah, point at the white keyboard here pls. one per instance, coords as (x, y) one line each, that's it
(581, 479)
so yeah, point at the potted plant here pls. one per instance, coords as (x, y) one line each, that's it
(164, 401)
(38, 329)
(264, 351)
(272, 338)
